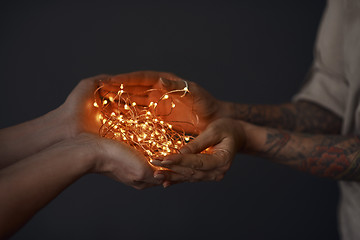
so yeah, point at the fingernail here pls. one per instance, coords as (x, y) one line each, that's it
(159, 177)
(166, 162)
(155, 162)
(165, 82)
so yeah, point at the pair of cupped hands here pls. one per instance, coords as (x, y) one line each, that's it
(123, 163)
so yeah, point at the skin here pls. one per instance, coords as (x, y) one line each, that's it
(194, 110)
(56, 150)
(330, 156)
(302, 135)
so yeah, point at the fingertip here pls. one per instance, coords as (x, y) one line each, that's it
(166, 163)
(166, 184)
(159, 176)
(171, 159)
(155, 162)
(165, 82)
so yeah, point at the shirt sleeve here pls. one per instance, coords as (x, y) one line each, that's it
(326, 84)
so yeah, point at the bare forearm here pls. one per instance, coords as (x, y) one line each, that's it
(28, 185)
(302, 116)
(20, 141)
(331, 156)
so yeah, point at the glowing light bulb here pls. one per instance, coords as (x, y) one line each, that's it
(96, 105)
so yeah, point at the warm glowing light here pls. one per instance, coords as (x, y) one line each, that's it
(140, 127)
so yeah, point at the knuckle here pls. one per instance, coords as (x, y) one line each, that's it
(186, 149)
(223, 155)
(193, 147)
(198, 164)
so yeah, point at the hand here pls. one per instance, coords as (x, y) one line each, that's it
(223, 138)
(118, 161)
(196, 107)
(80, 114)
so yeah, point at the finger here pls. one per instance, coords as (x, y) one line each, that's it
(170, 85)
(200, 161)
(133, 89)
(92, 82)
(165, 175)
(144, 78)
(198, 176)
(174, 168)
(143, 185)
(206, 139)
(168, 184)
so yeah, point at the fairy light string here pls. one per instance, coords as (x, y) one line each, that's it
(141, 127)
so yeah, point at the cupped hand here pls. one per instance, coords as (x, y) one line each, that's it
(193, 108)
(113, 158)
(118, 161)
(220, 141)
(80, 114)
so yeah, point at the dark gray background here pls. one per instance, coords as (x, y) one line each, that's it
(253, 51)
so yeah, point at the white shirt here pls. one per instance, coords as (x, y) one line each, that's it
(334, 83)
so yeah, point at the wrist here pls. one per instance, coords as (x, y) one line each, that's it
(254, 137)
(87, 152)
(58, 122)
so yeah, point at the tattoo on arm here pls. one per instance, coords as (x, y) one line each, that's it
(302, 116)
(332, 156)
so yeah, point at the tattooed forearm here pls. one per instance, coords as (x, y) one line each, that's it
(302, 116)
(332, 156)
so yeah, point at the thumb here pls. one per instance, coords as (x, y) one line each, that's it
(206, 139)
